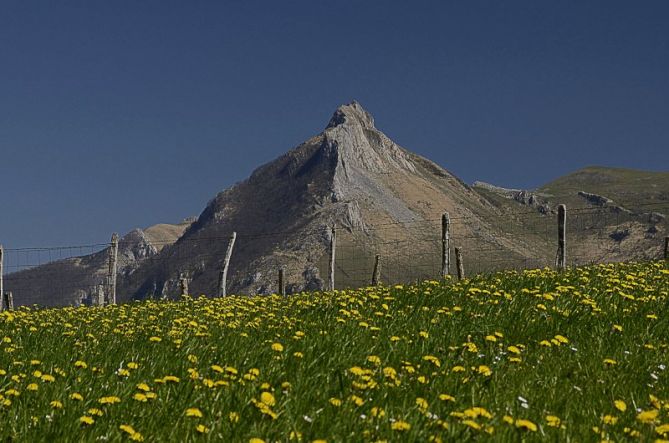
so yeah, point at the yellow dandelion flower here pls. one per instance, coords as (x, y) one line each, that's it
(86, 420)
(202, 429)
(56, 404)
(140, 397)
(553, 421)
(620, 405)
(278, 347)
(76, 396)
(400, 426)
(109, 400)
(647, 416)
(422, 404)
(526, 424)
(194, 412)
(143, 387)
(267, 398)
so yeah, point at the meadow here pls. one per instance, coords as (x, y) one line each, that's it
(533, 355)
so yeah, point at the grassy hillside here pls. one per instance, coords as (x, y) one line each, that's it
(641, 191)
(580, 355)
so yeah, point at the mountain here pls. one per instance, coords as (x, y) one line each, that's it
(71, 281)
(383, 199)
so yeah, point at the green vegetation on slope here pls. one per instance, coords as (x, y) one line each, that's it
(640, 191)
(580, 355)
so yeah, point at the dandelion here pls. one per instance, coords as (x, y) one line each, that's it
(56, 404)
(335, 402)
(86, 420)
(400, 426)
(109, 400)
(526, 424)
(278, 347)
(233, 417)
(134, 435)
(193, 412)
(76, 396)
(513, 349)
(267, 398)
(553, 421)
(485, 370)
(422, 404)
(620, 405)
(609, 419)
(143, 387)
(202, 429)
(647, 416)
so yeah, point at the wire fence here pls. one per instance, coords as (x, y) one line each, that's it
(408, 250)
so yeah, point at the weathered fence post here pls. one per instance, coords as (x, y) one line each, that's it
(99, 296)
(460, 265)
(666, 248)
(445, 244)
(113, 264)
(376, 275)
(333, 245)
(183, 285)
(223, 275)
(9, 300)
(282, 282)
(2, 270)
(561, 260)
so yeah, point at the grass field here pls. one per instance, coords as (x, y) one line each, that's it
(577, 356)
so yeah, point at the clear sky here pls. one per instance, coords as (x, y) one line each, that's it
(123, 114)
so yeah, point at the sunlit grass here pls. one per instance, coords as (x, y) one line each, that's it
(538, 354)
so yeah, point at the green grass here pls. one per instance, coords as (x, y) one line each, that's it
(425, 341)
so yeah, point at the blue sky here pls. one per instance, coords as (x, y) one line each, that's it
(115, 115)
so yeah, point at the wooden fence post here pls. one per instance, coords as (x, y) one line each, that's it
(2, 270)
(445, 245)
(111, 274)
(376, 275)
(333, 245)
(99, 296)
(561, 262)
(666, 248)
(183, 285)
(282, 282)
(460, 265)
(223, 275)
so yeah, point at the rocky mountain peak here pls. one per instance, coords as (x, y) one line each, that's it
(351, 114)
